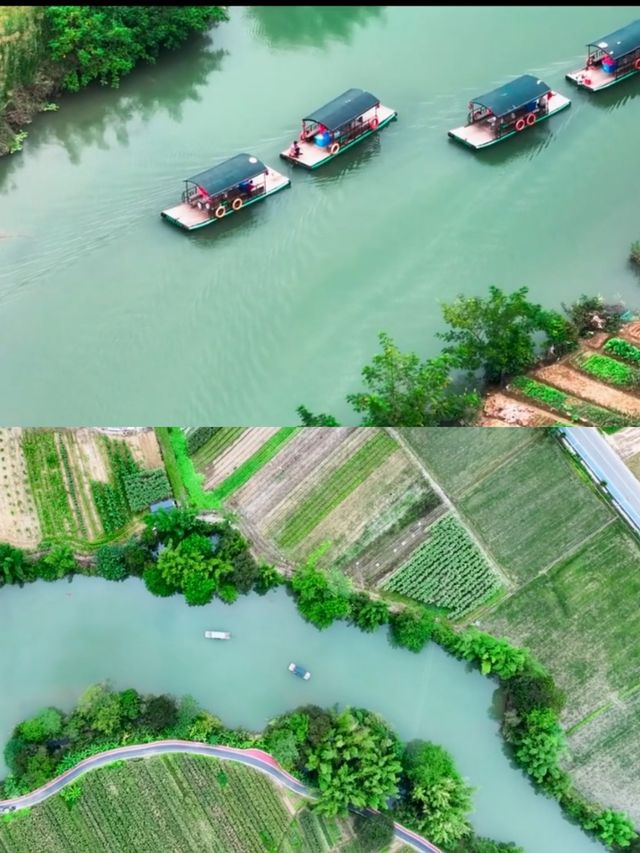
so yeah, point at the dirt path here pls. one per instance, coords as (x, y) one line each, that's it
(517, 413)
(573, 382)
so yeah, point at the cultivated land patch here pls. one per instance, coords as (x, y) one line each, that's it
(219, 439)
(233, 455)
(582, 620)
(19, 522)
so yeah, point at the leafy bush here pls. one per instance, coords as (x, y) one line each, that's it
(110, 562)
(591, 313)
(411, 628)
(605, 368)
(113, 511)
(146, 487)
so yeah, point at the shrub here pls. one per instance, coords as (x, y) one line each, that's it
(110, 563)
(411, 628)
(145, 487)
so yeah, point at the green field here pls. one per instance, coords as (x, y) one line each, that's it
(223, 438)
(176, 803)
(457, 460)
(254, 463)
(446, 571)
(534, 509)
(47, 484)
(331, 491)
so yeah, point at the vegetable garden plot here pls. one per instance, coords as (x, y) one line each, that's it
(446, 571)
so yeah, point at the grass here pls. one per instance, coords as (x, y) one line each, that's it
(609, 370)
(457, 464)
(171, 465)
(216, 445)
(534, 509)
(171, 803)
(245, 472)
(570, 407)
(333, 489)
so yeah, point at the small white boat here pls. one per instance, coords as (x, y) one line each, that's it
(217, 635)
(300, 671)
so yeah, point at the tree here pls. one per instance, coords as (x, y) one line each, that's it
(245, 572)
(175, 564)
(310, 420)
(314, 596)
(101, 709)
(160, 713)
(373, 831)
(527, 691)
(495, 335)
(56, 564)
(493, 654)
(130, 704)
(438, 799)
(198, 588)
(13, 568)
(268, 578)
(174, 525)
(367, 613)
(590, 314)
(110, 562)
(155, 583)
(541, 742)
(356, 763)
(136, 557)
(70, 794)
(402, 391)
(43, 726)
(614, 829)
(411, 628)
(475, 844)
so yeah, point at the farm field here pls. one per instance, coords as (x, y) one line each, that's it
(19, 522)
(226, 452)
(177, 802)
(581, 619)
(86, 486)
(354, 488)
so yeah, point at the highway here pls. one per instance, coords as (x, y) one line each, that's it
(256, 758)
(602, 460)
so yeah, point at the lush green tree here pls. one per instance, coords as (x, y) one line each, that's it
(56, 564)
(356, 763)
(198, 588)
(203, 727)
(614, 829)
(136, 557)
(155, 583)
(403, 391)
(13, 567)
(101, 709)
(493, 334)
(268, 578)
(374, 831)
(590, 314)
(129, 704)
(367, 613)
(308, 419)
(174, 525)
(104, 43)
(541, 742)
(160, 713)
(39, 769)
(17, 752)
(411, 628)
(314, 595)
(245, 572)
(43, 726)
(475, 844)
(527, 691)
(493, 654)
(110, 562)
(438, 799)
(196, 543)
(175, 564)
(70, 794)
(228, 593)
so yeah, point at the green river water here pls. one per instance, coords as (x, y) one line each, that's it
(60, 637)
(110, 315)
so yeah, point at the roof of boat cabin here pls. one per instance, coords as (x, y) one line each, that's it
(347, 106)
(621, 42)
(512, 95)
(229, 174)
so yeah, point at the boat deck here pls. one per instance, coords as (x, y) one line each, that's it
(480, 135)
(596, 79)
(191, 218)
(313, 155)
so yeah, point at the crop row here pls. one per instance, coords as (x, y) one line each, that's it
(446, 571)
(71, 483)
(623, 349)
(253, 464)
(563, 404)
(333, 489)
(215, 445)
(145, 487)
(609, 370)
(47, 483)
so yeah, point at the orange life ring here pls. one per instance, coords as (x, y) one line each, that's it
(520, 124)
(531, 119)
(335, 147)
(636, 64)
(236, 204)
(220, 211)
(374, 123)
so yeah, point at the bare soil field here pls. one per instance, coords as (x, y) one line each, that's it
(572, 381)
(247, 444)
(513, 412)
(19, 524)
(145, 449)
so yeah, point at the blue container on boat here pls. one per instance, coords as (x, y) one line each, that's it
(531, 106)
(322, 139)
(609, 67)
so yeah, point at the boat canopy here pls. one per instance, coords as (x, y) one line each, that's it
(623, 41)
(344, 108)
(513, 95)
(229, 174)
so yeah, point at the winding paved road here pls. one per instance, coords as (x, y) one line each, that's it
(256, 758)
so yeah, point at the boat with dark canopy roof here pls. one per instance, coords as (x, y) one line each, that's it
(610, 59)
(336, 127)
(224, 189)
(508, 110)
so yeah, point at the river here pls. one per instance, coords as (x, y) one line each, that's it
(107, 310)
(57, 638)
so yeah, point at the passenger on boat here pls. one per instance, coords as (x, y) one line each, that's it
(295, 151)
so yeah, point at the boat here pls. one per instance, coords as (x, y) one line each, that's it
(508, 110)
(217, 635)
(300, 671)
(336, 127)
(610, 59)
(223, 190)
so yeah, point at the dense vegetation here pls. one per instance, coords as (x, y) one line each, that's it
(609, 370)
(573, 409)
(489, 339)
(623, 349)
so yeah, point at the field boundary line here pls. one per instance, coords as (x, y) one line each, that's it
(505, 461)
(446, 500)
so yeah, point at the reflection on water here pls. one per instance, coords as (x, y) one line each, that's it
(350, 161)
(304, 26)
